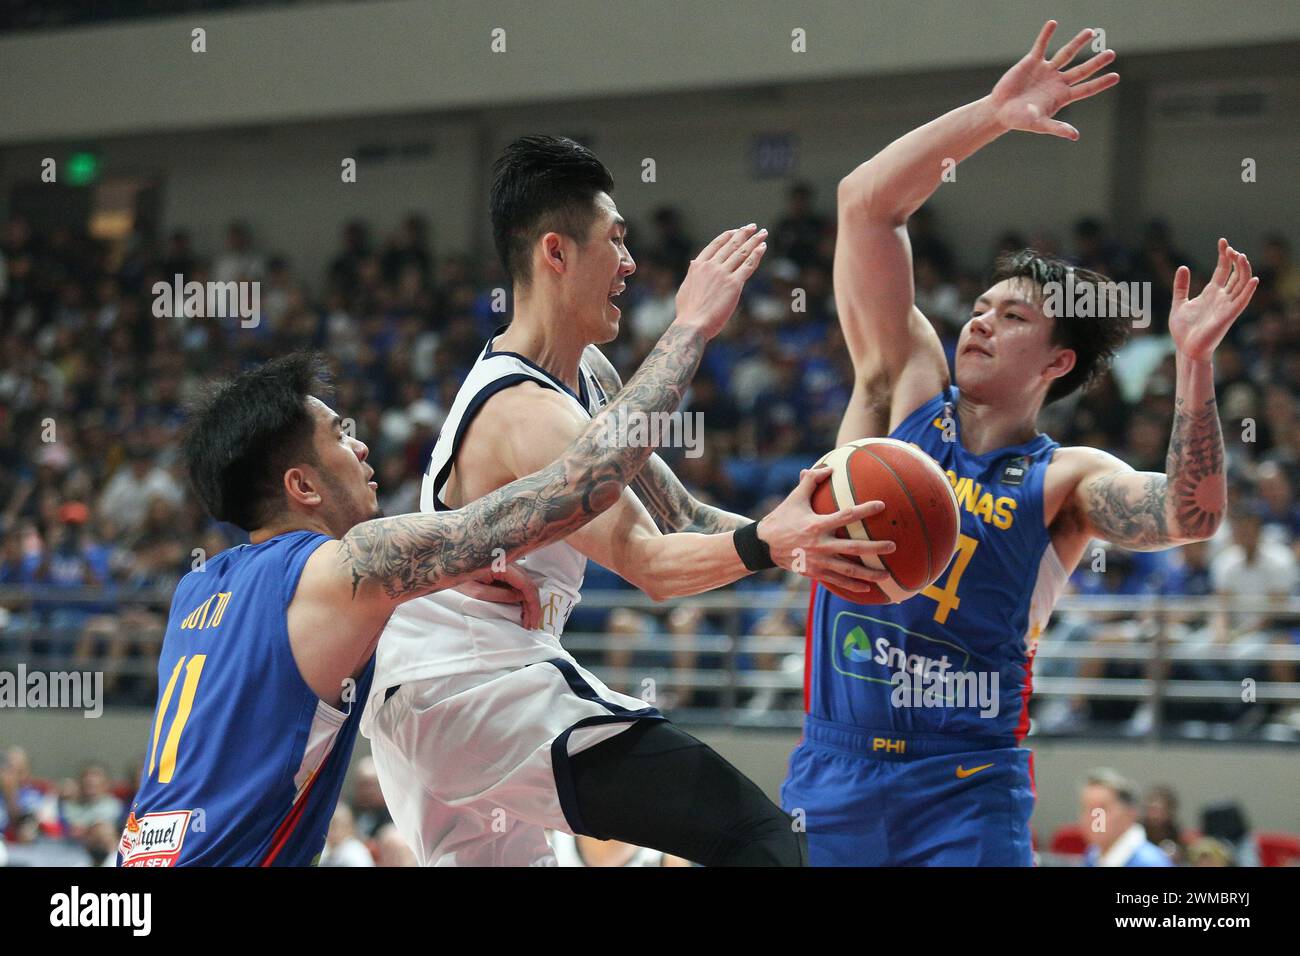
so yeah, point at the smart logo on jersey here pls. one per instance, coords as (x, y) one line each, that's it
(867, 648)
(921, 671)
(154, 839)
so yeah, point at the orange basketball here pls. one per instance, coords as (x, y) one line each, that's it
(920, 515)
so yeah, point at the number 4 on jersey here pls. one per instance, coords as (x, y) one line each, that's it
(947, 598)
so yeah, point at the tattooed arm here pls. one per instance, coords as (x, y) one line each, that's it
(664, 496)
(390, 560)
(1143, 511)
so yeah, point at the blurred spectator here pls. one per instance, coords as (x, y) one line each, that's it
(391, 849)
(799, 230)
(240, 262)
(1226, 822)
(1208, 851)
(1160, 820)
(342, 845)
(91, 804)
(369, 811)
(1109, 819)
(126, 497)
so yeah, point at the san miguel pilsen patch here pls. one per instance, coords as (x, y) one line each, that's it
(1014, 471)
(154, 839)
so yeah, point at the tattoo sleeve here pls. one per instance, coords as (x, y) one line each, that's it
(1144, 511)
(1195, 469)
(676, 509)
(662, 492)
(406, 556)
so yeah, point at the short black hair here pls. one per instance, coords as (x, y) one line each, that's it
(1093, 339)
(243, 435)
(543, 184)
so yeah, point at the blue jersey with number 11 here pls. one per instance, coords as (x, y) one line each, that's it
(244, 762)
(956, 659)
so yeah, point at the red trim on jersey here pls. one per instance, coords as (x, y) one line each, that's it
(1022, 726)
(290, 822)
(808, 652)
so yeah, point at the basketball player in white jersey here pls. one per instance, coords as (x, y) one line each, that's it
(1023, 347)
(485, 733)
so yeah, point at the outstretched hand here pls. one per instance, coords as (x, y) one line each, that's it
(1035, 89)
(1198, 325)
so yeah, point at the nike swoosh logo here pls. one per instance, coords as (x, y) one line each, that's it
(963, 774)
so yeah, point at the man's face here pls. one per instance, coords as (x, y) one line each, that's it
(1103, 817)
(1005, 350)
(597, 271)
(349, 496)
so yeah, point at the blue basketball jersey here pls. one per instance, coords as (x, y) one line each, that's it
(955, 659)
(244, 763)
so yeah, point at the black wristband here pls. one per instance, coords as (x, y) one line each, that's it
(754, 553)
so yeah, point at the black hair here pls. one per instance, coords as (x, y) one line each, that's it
(1094, 339)
(244, 434)
(543, 184)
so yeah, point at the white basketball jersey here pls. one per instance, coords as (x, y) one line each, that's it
(448, 632)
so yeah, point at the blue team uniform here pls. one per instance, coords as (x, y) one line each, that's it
(244, 762)
(915, 711)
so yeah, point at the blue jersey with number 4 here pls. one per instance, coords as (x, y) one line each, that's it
(244, 762)
(956, 659)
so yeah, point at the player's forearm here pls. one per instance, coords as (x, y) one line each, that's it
(1147, 511)
(1197, 486)
(411, 555)
(677, 565)
(898, 180)
(676, 509)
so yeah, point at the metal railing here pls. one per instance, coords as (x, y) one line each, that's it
(731, 672)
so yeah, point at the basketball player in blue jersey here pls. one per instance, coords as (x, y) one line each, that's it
(916, 711)
(485, 734)
(268, 654)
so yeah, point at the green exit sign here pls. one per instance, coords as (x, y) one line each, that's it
(82, 169)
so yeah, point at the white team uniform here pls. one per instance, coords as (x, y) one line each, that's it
(472, 718)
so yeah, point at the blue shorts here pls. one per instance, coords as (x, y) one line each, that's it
(891, 799)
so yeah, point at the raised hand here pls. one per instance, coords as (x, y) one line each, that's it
(1035, 89)
(1198, 325)
(712, 287)
(805, 542)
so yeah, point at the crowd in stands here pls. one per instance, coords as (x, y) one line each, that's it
(93, 386)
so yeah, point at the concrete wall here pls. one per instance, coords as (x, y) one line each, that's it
(345, 59)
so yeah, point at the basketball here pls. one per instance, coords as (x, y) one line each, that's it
(920, 514)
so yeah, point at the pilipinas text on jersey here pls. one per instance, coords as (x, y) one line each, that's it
(244, 762)
(956, 659)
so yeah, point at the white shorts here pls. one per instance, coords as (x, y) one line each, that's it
(474, 767)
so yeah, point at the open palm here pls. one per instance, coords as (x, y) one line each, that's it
(1198, 325)
(1035, 89)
